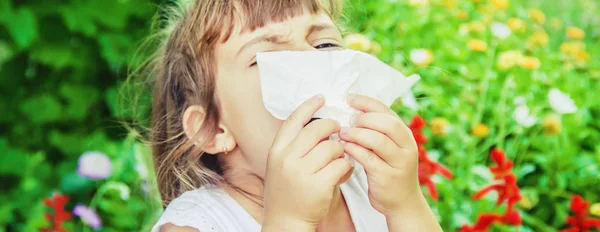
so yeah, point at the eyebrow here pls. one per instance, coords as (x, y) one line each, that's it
(279, 38)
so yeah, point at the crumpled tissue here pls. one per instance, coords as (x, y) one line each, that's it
(289, 78)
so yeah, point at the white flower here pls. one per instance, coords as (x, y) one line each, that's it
(501, 30)
(94, 165)
(421, 56)
(520, 100)
(142, 171)
(463, 29)
(560, 102)
(521, 115)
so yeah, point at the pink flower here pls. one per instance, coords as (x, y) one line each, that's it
(87, 215)
(94, 165)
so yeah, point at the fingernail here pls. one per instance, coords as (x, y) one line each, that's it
(319, 97)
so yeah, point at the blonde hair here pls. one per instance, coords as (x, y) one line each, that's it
(182, 72)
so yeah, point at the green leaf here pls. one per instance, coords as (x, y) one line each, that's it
(42, 109)
(67, 143)
(525, 169)
(6, 215)
(5, 10)
(58, 56)
(13, 160)
(78, 20)
(73, 183)
(80, 98)
(22, 26)
(6, 52)
(115, 48)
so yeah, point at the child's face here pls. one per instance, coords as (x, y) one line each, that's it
(238, 83)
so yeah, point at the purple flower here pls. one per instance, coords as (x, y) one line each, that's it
(87, 215)
(94, 165)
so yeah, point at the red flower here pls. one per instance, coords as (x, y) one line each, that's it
(427, 167)
(484, 221)
(580, 222)
(508, 192)
(503, 166)
(57, 202)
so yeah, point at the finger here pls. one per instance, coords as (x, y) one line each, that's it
(367, 104)
(311, 135)
(296, 121)
(379, 143)
(322, 155)
(389, 125)
(369, 160)
(334, 172)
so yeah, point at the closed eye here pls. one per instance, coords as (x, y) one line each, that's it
(327, 45)
(320, 46)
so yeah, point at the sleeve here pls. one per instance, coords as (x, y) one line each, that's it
(187, 210)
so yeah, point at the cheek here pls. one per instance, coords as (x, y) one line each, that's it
(244, 114)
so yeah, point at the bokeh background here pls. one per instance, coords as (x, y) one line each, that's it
(509, 104)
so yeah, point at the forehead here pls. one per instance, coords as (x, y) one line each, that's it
(240, 16)
(297, 24)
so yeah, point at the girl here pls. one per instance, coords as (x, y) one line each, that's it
(224, 163)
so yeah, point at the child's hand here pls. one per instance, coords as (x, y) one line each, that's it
(303, 170)
(384, 145)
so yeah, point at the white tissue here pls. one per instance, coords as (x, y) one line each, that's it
(289, 78)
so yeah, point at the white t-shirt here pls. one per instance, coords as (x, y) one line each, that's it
(213, 210)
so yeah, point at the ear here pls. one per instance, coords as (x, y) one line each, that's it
(223, 141)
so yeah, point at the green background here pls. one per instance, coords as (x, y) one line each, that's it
(62, 64)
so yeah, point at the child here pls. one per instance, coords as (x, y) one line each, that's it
(224, 163)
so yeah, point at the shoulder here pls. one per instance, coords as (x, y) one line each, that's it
(191, 212)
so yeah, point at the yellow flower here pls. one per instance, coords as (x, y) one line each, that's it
(462, 15)
(358, 42)
(529, 62)
(572, 47)
(450, 4)
(485, 9)
(595, 209)
(552, 124)
(375, 48)
(477, 27)
(516, 24)
(526, 202)
(537, 15)
(421, 57)
(582, 56)
(508, 59)
(440, 126)
(556, 23)
(539, 38)
(500, 4)
(418, 3)
(480, 130)
(575, 33)
(477, 45)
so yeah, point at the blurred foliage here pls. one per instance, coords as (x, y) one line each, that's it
(62, 62)
(466, 88)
